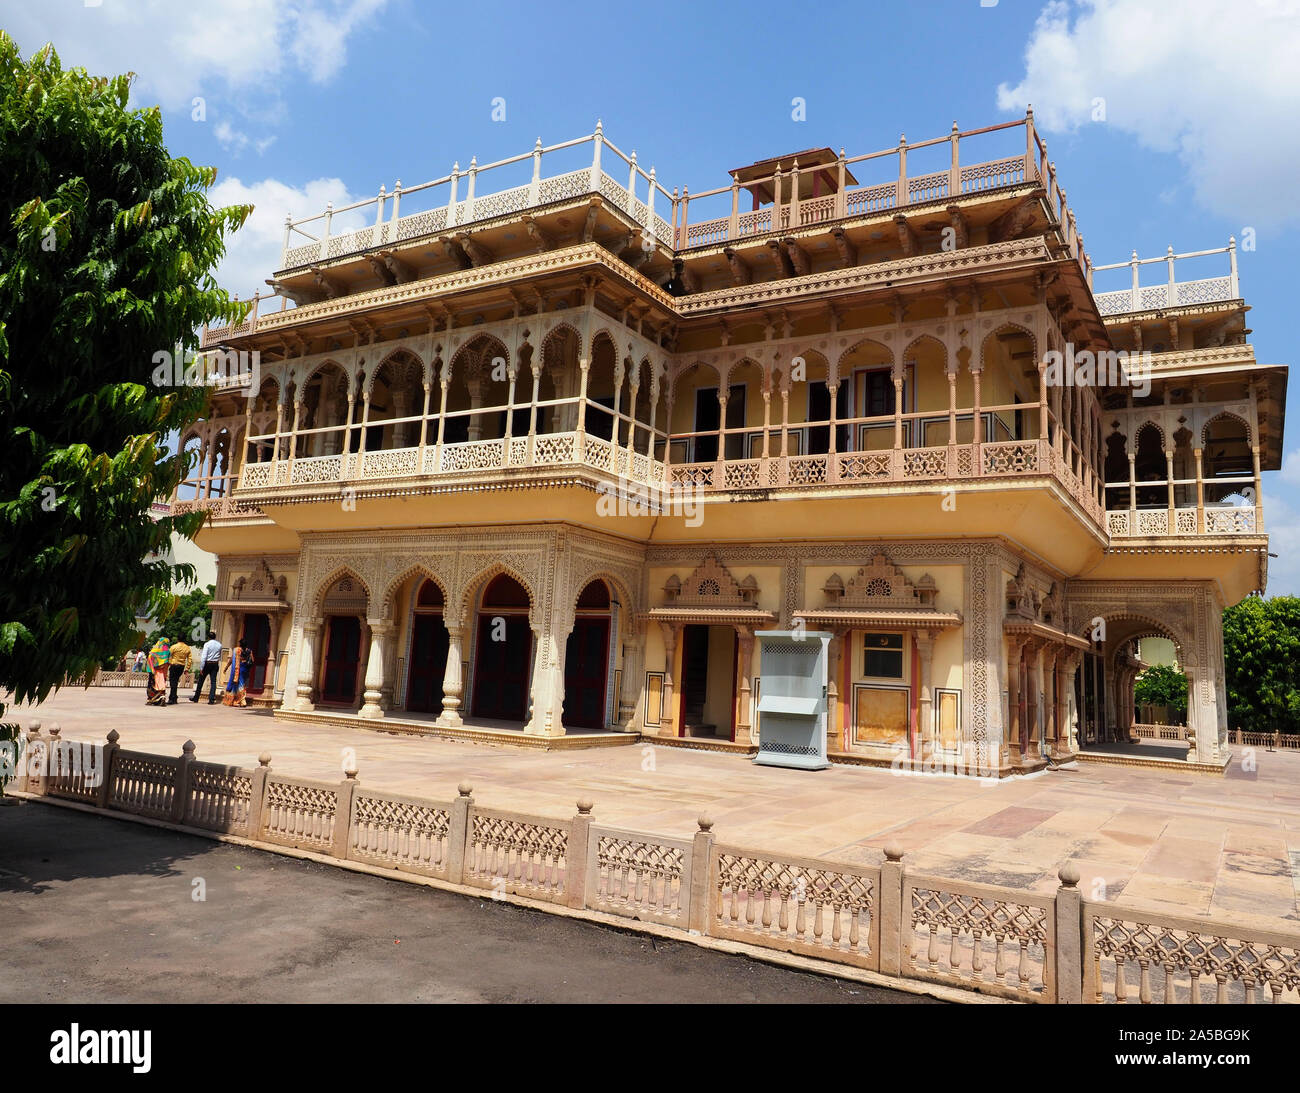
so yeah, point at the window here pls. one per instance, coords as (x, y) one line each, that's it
(882, 656)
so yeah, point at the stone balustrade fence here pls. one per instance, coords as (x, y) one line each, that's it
(884, 918)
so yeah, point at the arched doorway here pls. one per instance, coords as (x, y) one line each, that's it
(428, 659)
(257, 635)
(343, 608)
(503, 660)
(586, 660)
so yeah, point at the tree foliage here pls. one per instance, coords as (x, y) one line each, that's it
(1261, 656)
(189, 620)
(107, 247)
(1162, 685)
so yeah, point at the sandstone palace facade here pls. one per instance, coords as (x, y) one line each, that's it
(539, 446)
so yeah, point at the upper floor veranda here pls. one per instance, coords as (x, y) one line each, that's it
(857, 352)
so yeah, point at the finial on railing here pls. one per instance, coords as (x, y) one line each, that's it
(397, 185)
(187, 749)
(705, 821)
(954, 127)
(538, 146)
(264, 759)
(464, 789)
(1068, 875)
(455, 168)
(113, 736)
(600, 128)
(585, 806)
(893, 851)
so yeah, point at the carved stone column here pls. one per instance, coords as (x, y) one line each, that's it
(925, 649)
(834, 659)
(1015, 646)
(307, 664)
(1072, 662)
(628, 699)
(547, 687)
(745, 651)
(380, 629)
(667, 719)
(452, 683)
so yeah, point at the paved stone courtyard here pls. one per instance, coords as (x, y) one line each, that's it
(1181, 843)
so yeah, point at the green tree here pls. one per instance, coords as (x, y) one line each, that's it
(1261, 656)
(107, 247)
(190, 619)
(1162, 685)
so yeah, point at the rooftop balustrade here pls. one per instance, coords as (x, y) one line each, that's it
(1171, 292)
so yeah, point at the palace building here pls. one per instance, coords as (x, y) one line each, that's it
(532, 451)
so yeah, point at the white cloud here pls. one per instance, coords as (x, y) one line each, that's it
(1210, 80)
(1290, 473)
(1282, 523)
(243, 49)
(253, 252)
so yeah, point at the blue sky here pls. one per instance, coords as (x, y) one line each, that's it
(305, 102)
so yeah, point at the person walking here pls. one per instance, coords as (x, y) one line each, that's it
(232, 676)
(208, 668)
(182, 661)
(156, 684)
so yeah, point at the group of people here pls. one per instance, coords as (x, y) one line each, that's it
(168, 661)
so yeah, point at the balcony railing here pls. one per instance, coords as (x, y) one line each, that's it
(1210, 519)
(455, 208)
(1172, 292)
(470, 457)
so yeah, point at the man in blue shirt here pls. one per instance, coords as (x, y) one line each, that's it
(209, 663)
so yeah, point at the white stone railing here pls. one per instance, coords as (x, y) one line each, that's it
(1218, 520)
(1010, 942)
(1172, 292)
(461, 207)
(475, 456)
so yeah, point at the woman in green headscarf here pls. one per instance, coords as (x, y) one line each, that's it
(156, 687)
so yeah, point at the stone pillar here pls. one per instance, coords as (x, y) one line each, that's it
(307, 664)
(1014, 750)
(745, 651)
(452, 683)
(834, 658)
(380, 629)
(925, 649)
(668, 719)
(548, 686)
(1072, 663)
(633, 650)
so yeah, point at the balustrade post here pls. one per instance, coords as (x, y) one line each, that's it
(650, 206)
(686, 208)
(794, 194)
(284, 250)
(893, 915)
(534, 185)
(181, 793)
(1232, 265)
(900, 198)
(733, 225)
(841, 198)
(1135, 292)
(452, 208)
(597, 139)
(257, 795)
(575, 858)
(677, 238)
(108, 757)
(1030, 166)
(325, 236)
(379, 213)
(33, 749)
(397, 199)
(631, 183)
(776, 198)
(1068, 958)
(472, 174)
(1258, 500)
(702, 890)
(347, 795)
(458, 833)
(954, 170)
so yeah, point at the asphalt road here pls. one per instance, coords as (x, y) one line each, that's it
(101, 910)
